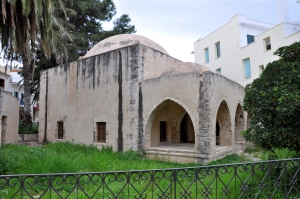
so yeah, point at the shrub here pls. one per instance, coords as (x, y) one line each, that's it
(28, 129)
(273, 102)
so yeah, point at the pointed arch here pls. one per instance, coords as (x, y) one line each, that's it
(164, 107)
(239, 123)
(224, 120)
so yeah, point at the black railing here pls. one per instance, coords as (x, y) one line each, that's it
(269, 179)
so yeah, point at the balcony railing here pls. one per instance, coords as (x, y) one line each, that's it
(269, 179)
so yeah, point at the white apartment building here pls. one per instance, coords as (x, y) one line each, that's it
(9, 81)
(241, 49)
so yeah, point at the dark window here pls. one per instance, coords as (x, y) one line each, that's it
(268, 43)
(60, 130)
(250, 39)
(16, 94)
(218, 49)
(2, 83)
(163, 131)
(101, 132)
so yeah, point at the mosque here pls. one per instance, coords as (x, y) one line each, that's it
(127, 92)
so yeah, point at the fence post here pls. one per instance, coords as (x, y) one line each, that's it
(174, 179)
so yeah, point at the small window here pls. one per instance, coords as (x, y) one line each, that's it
(2, 83)
(60, 130)
(163, 131)
(218, 49)
(206, 55)
(16, 94)
(22, 99)
(101, 132)
(247, 68)
(267, 43)
(219, 70)
(250, 39)
(261, 69)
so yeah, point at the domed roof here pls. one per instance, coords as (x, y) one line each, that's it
(120, 41)
(184, 68)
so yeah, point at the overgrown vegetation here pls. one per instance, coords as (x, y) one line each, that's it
(28, 129)
(65, 157)
(273, 102)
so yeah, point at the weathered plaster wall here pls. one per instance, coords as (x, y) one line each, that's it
(101, 88)
(216, 89)
(181, 90)
(9, 112)
(155, 62)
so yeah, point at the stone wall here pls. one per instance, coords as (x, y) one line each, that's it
(163, 91)
(102, 88)
(9, 118)
(219, 100)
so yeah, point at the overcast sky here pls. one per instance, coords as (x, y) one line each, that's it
(176, 24)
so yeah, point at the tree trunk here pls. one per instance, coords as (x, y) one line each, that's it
(27, 121)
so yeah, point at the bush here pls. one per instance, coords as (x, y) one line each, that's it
(273, 103)
(28, 129)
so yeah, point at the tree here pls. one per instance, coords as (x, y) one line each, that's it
(273, 102)
(87, 21)
(25, 23)
(87, 32)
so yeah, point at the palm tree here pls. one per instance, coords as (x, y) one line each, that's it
(26, 23)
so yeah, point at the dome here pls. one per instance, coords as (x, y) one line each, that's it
(120, 41)
(184, 68)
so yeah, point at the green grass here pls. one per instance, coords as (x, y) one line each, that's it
(265, 155)
(69, 158)
(65, 157)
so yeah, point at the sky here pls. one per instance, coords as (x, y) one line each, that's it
(176, 24)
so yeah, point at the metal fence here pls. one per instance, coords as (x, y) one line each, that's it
(268, 179)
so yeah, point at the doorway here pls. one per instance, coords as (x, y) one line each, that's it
(3, 129)
(187, 134)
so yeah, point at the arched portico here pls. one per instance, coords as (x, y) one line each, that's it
(223, 130)
(169, 124)
(239, 124)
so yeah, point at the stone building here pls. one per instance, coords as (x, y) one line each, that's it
(9, 110)
(129, 93)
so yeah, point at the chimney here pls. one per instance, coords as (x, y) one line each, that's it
(283, 11)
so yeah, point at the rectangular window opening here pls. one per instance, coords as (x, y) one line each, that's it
(163, 131)
(60, 130)
(206, 55)
(219, 70)
(16, 94)
(261, 69)
(218, 50)
(247, 68)
(250, 39)
(2, 83)
(101, 132)
(267, 42)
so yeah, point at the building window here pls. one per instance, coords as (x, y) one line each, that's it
(247, 68)
(267, 43)
(22, 99)
(101, 132)
(219, 70)
(206, 55)
(60, 130)
(163, 131)
(218, 50)
(16, 94)
(261, 69)
(250, 39)
(2, 83)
